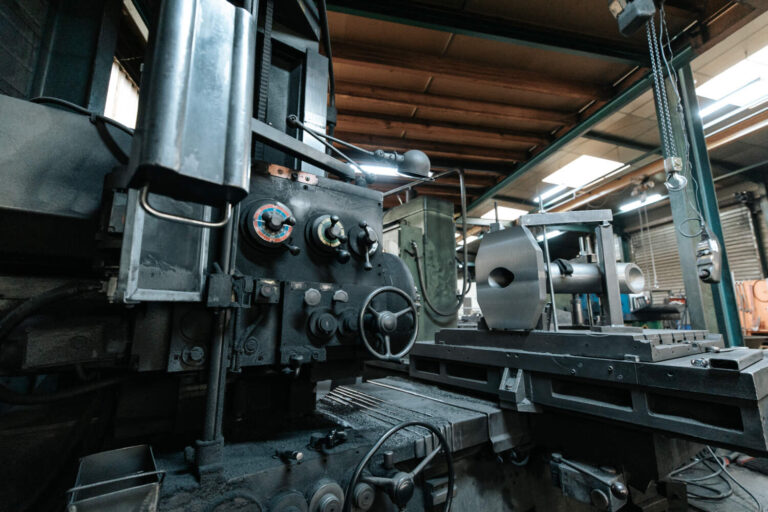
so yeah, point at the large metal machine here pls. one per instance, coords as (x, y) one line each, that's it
(187, 307)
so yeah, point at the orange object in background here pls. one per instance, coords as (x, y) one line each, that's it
(752, 298)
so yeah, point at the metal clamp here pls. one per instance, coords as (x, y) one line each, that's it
(144, 201)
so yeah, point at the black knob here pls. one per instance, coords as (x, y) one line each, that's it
(323, 325)
(273, 220)
(342, 256)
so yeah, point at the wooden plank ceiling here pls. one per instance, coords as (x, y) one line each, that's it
(481, 102)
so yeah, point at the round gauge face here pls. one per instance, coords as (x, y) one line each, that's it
(321, 232)
(261, 226)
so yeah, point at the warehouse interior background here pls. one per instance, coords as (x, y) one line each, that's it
(593, 217)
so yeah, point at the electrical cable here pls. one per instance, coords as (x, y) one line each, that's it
(99, 121)
(466, 284)
(81, 110)
(695, 206)
(711, 492)
(31, 305)
(729, 475)
(9, 396)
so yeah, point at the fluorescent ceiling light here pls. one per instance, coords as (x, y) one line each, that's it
(505, 214)
(582, 171)
(549, 193)
(634, 205)
(743, 84)
(550, 235)
(380, 170)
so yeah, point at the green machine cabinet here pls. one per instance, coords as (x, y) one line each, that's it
(428, 222)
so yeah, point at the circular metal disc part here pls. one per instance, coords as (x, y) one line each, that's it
(328, 496)
(510, 276)
(290, 501)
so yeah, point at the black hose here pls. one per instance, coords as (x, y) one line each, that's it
(9, 396)
(368, 456)
(81, 110)
(30, 306)
(466, 283)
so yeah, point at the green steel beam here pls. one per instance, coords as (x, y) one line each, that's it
(468, 24)
(723, 292)
(645, 148)
(621, 142)
(620, 101)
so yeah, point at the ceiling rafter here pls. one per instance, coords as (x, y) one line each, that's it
(493, 28)
(364, 56)
(425, 128)
(385, 96)
(434, 148)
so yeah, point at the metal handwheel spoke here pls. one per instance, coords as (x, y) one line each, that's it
(403, 311)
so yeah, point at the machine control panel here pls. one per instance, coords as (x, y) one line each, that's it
(270, 224)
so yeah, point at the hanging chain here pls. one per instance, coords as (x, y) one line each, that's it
(662, 103)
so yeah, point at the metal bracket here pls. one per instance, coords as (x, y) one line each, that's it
(602, 488)
(514, 391)
(228, 291)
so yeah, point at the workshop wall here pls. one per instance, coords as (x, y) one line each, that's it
(22, 24)
(740, 246)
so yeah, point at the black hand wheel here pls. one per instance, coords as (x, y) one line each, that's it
(386, 323)
(401, 486)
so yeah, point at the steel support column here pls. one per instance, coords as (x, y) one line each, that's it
(698, 298)
(723, 292)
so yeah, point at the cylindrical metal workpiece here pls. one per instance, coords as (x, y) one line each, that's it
(577, 312)
(586, 278)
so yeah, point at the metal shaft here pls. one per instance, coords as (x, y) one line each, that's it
(586, 278)
(217, 373)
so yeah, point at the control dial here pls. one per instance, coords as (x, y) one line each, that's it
(327, 234)
(365, 242)
(271, 224)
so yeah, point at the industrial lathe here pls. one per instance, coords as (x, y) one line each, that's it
(189, 309)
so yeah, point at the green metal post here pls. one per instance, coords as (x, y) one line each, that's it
(723, 292)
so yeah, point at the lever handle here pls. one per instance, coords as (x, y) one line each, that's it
(295, 250)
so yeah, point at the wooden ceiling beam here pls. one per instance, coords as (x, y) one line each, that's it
(387, 97)
(494, 28)
(420, 128)
(396, 60)
(458, 151)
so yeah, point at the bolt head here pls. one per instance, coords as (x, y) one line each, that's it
(196, 353)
